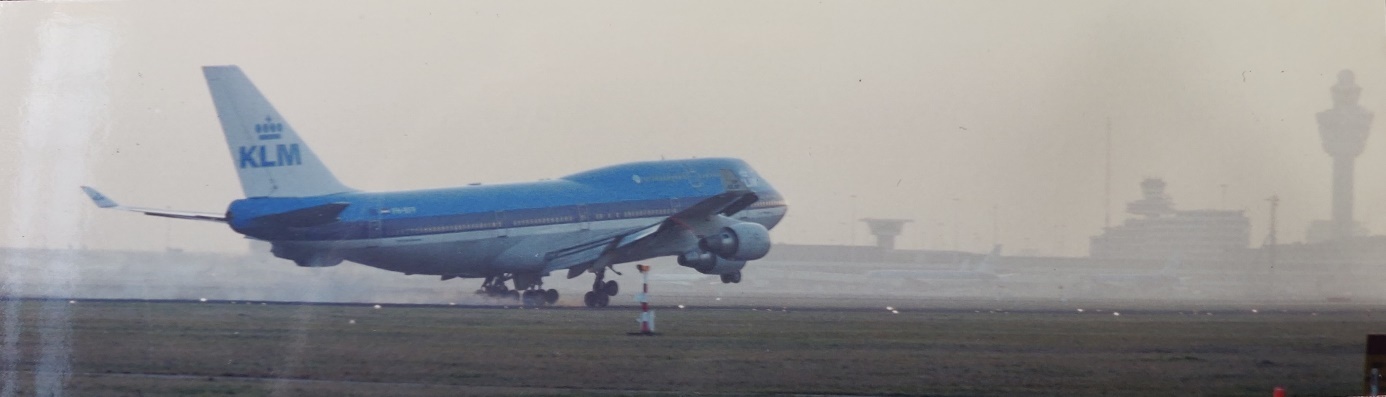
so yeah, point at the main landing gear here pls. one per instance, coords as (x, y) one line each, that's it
(730, 278)
(532, 295)
(539, 297)
(494, 287)
(602, 291)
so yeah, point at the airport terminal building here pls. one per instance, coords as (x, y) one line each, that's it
(1160, 232)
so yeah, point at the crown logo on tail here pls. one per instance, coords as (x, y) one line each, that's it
(269, 129)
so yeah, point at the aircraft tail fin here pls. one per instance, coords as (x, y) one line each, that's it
(269, 156)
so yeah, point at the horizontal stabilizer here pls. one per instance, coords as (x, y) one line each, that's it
(105, 202)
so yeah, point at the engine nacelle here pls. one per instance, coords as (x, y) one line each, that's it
(744, 241)
(708, 263)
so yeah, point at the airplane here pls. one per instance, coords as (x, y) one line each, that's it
(714, 214)
(985, 270)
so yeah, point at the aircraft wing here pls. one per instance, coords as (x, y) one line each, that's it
(105, 202)
(734, 198)
(588, 252)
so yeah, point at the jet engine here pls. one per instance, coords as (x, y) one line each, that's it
(743, 241)
(708, 263)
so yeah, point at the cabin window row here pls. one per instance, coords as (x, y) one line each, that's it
(770, 203)
(644, 213)
(544, 221)
(446, 228)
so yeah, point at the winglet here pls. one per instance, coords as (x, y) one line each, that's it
(98, 198)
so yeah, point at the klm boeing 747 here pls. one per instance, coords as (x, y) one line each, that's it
(713, 214)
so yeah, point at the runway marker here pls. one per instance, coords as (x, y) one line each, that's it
(202, 300)
(377, 306)
(646, 318)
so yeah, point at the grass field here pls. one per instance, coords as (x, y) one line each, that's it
(217, 349)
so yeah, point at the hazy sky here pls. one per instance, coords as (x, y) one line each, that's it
(938, 111)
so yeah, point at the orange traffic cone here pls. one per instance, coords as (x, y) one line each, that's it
(1279, 392)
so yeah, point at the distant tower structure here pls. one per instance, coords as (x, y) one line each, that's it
(886, 230)
(1154, 202)
(1344, 130)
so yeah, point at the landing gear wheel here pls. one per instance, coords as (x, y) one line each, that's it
(551, 296)
(513, 294)
(494, 287)
(611, 288)
(533, 298)
(730, 278)
(588, 300)
(601, 300)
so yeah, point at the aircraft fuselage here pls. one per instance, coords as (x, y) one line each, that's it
(477, 231)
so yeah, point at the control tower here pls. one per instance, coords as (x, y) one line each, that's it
(886, 230)
(1344, 130)
(1154, 203)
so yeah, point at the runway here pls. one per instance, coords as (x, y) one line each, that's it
(857, 305)
(179, 347)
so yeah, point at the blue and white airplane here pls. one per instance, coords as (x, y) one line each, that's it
(713, 214)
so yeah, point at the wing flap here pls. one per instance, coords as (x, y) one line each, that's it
(588, 252)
